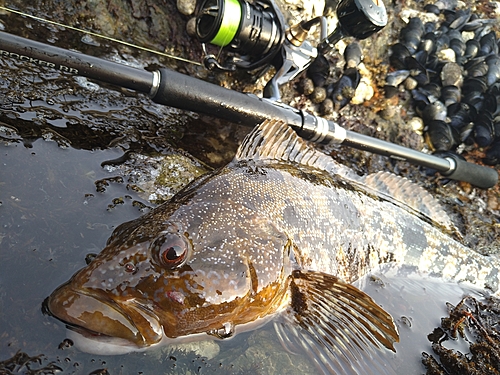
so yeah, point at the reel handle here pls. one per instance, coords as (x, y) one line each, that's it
(357, 18)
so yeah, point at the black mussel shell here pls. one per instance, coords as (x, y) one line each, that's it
(307, 86)
(455, 34)
(319, 70)
(343, 90)
(477, 23)
(477, 67)
(458, 46)
(421, 57)
(472, 48)
(488, 44)
(417, 70)
(396, 77)
(484, 133)
(429, 27)
(390, 91)
(474, 85)
(431, 8)
(450, 95)
(460, 18)
(412, 33)
(492, 99)
(442, 41)
(399, 53)
(393, 80)
(428, 43)
(353, 55)
(459, 115)
(493, 75)
(420, 98)
(492, 156)
(442, 136)
(432, 90)
(434, 111)
(491, 103)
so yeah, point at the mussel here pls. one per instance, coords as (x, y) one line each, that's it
(353, 55)
(453, 75)
(343, 90)
(450, 94)
(319, 70)
(412, 33)
(484, 132)
(442, 136)
(493, 154)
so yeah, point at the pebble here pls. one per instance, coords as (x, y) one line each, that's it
(186, 7)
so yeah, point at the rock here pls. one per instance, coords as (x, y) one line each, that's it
(186, 7)
(205, 348)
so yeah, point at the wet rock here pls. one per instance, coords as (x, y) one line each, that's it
(158, 178)
(206, 348)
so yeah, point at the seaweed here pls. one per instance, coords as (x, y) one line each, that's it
(474, 324)
(22, 363)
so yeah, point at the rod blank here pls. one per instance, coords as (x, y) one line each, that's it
(184, 92)
(75, 63)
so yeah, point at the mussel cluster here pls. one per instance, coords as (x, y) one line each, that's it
(452, 69)
(334, 95)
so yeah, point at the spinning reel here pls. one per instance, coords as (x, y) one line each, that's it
(255, 35)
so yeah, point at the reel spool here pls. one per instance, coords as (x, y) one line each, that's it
(251, 32)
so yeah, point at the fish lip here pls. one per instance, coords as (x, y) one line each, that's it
(113, 313)
(84, 331)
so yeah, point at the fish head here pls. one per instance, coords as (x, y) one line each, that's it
(196, 265)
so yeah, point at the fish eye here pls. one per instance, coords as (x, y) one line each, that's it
(170, 250)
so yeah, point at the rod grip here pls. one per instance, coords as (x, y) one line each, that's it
(189, 93)
(477, 175)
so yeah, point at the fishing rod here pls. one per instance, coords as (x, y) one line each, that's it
(171, 88)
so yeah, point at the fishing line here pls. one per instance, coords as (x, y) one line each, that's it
(101, 36)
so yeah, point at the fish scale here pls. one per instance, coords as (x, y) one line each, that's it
(279, 233)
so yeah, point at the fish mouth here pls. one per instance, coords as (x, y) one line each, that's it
(97, 317)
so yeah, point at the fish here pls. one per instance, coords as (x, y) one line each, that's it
(278, 235)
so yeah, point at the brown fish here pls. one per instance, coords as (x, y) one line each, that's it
(280, 232)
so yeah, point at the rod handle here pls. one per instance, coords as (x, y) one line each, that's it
(477, 175)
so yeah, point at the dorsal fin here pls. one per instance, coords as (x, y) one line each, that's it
(410, 195)
(273, 140)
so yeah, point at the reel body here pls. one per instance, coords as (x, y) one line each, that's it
(254, 35)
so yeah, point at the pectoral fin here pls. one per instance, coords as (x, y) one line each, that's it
(338, 324)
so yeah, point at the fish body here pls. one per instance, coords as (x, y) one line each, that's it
(280, 232)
